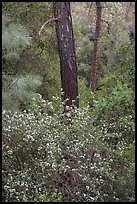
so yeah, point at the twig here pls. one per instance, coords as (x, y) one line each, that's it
(90, 8)
(108, 25)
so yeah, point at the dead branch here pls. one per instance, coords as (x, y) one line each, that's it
(52, 19)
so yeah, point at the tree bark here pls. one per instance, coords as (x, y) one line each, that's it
(95, 48)
(68, 66)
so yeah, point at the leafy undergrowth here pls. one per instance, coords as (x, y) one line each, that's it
(48, 156)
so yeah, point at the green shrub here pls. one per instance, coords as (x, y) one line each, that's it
(84, 94)
(114, 111)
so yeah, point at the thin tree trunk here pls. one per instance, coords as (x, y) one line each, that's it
(95, 48)
(68, 66)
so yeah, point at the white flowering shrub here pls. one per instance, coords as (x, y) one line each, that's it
(50, 156)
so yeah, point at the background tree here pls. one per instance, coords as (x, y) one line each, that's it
(68, 66)
(95, 48)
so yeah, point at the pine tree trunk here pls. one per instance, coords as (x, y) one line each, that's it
(95, 48)
(68, 66)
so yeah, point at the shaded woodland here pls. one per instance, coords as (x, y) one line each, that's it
(68, 102)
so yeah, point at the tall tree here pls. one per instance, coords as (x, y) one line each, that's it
(68, 66)
(95, 48)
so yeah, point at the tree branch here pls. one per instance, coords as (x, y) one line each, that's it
(52, 19)
(108, 25)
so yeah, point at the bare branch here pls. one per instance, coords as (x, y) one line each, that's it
(90, 8)
(108, 25)
(52, 19)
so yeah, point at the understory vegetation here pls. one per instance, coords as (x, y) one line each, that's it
(48, 156)
(88, 153)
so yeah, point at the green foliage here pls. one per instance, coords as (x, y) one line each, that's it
(84, 61)
(53, 196)
(85, 155)
(85, 96)
(36, 62)
(19, 91)
(15, 38)
(127, 60)
(120, 61)
(42, 153)
(118, 101)
(51, 83)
